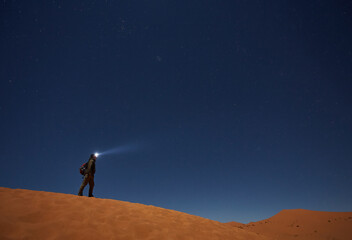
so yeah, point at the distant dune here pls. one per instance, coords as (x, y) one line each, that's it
(302, 224)
(26, 214)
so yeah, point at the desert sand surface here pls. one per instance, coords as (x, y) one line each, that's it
(26, 214)
(302, 224)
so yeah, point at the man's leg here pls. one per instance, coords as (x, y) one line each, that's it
(91, 186)
(84, 183)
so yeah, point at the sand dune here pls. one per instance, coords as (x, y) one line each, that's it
(302, 224)
(26, 214)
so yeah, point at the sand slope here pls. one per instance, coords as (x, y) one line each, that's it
(302, 224)
(37, 215)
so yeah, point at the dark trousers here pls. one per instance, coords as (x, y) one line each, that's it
(87, 179)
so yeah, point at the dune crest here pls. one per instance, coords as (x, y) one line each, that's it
(26, 214)
(300, 224)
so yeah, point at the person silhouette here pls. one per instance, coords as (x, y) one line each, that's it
(89, 176)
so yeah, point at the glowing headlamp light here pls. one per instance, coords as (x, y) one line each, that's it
(96, 154)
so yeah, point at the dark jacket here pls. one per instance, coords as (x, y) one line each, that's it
(91, 167)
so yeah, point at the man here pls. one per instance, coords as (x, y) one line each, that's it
(89, 176)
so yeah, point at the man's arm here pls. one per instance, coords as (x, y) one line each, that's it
(90, 164)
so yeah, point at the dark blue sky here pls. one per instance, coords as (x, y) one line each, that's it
(229, 110)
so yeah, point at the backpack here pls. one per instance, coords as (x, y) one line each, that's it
(83, 168)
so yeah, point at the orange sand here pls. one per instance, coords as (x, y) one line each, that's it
(37, 215)
(26, 214)
(302, 224)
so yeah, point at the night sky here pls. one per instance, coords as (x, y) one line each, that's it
(229, 110)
